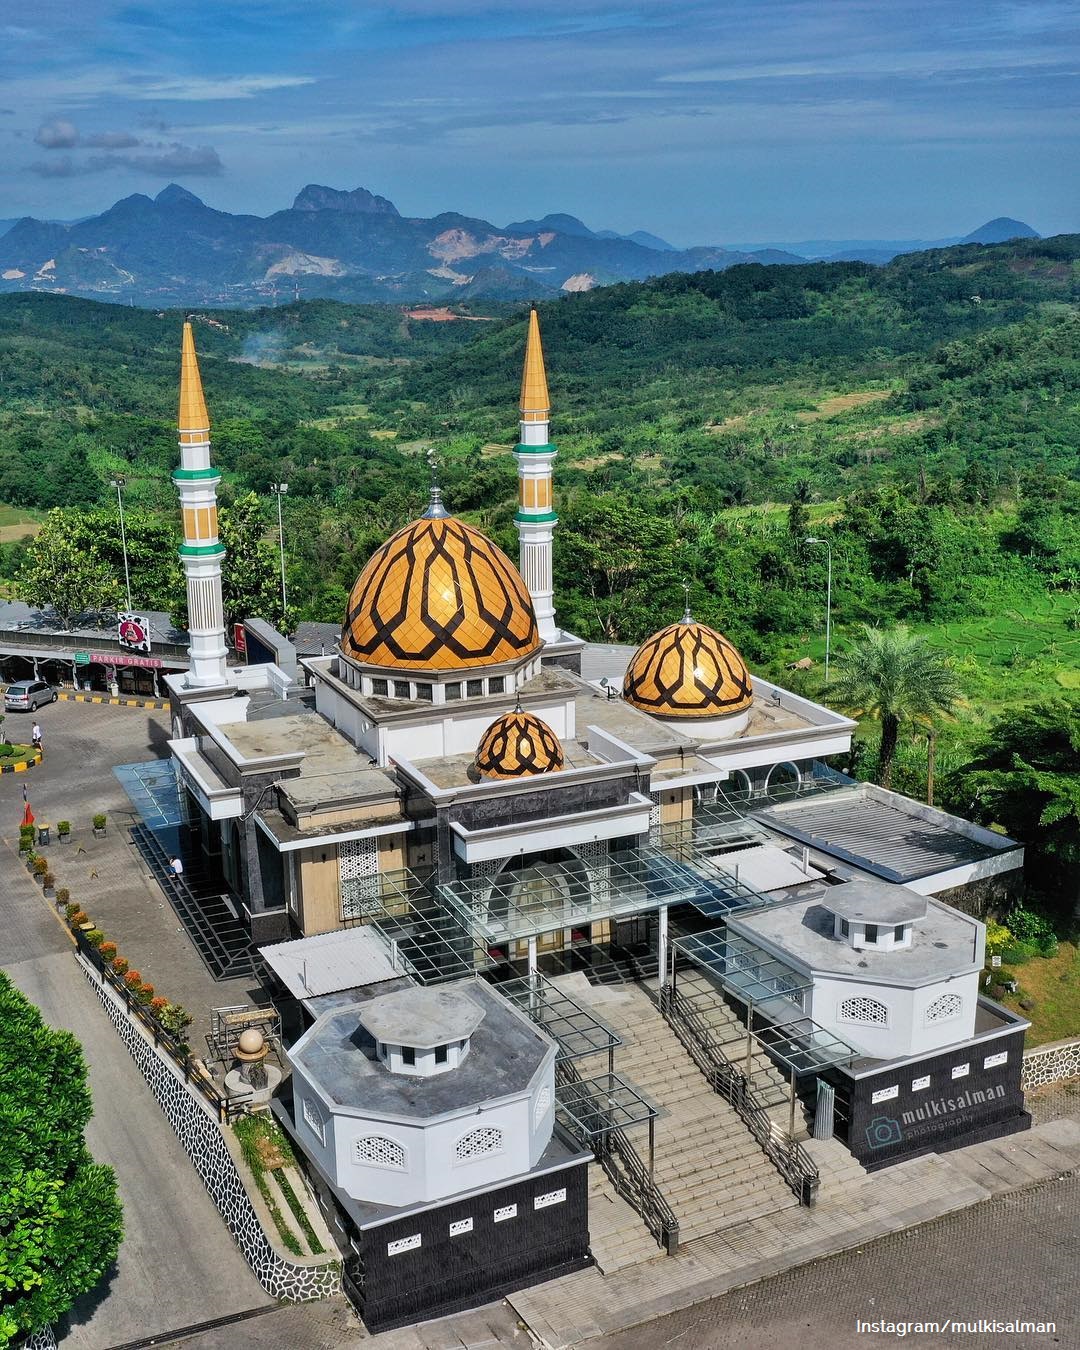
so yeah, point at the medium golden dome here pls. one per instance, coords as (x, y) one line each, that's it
(439, 595)
(517, 744)
(688, 670)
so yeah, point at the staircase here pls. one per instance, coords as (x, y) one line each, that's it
(709, 1167)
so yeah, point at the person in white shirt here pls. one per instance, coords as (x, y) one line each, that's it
(176, 867)
(35, 736)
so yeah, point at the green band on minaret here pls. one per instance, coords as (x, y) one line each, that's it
(537, 518)
(548, 449)
(202, 550)
(190, 475)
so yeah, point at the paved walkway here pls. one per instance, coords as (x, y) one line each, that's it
(572, 1310)
(178, 1264)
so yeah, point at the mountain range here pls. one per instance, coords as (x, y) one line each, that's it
(173, 249)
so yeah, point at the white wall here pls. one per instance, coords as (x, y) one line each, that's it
(906, 1032)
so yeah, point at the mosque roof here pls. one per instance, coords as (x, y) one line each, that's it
(439, 595)
(516, 745)
(688, 670)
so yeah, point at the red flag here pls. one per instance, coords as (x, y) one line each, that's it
(27, 815)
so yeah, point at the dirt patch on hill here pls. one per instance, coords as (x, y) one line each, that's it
(839, 403)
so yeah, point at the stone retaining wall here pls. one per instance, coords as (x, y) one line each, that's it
(1051, 1063)
(201, 1136)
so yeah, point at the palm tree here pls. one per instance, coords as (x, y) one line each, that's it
(895, 676)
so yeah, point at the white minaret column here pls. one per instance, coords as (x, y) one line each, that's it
(201, 552)
(535, 455)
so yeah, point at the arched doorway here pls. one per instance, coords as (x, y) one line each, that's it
(783, 779)
(549, 889)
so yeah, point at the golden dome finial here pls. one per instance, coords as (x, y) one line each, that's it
(534, 389)
(193, 415)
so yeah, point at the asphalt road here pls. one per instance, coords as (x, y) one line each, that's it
(1011, 1258)
(178, 1265)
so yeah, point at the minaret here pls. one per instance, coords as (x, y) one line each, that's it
(535, 455)
(201, 552)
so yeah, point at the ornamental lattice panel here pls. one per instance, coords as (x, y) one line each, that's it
(597, 859)
(374, 1150)
(945, 1008)
(358, 877)
(478, 1144)
(865, 1010)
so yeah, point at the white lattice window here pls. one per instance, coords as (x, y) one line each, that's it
(478, 1144)
(865, 1010)
(374, 1150)
(543, 1101)
(944, 1008)
(483, 878)
(654, 815)
(597, 858)
(358, 876)
(313, 1119)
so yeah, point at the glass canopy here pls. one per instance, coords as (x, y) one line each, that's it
(576, 1031)
(804, 1046)
(742, 966)
(593, 1107)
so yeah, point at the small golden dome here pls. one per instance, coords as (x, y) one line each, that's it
(688, 670)
(517, 744)
(439, 595)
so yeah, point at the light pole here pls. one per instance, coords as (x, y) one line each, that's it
(812, 539)
(279, 490)
(118, 482)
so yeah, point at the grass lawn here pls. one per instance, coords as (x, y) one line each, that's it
(1054, 984)
(14, 753)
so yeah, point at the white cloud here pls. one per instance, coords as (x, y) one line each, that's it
(58, 134)
(199, 89)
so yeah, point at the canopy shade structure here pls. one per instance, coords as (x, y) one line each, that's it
(574, 1029)
(742, 966)
(593, 1107)
(804, 1046)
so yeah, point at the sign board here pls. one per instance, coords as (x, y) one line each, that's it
(995, 962)
(82, 658)
(115, 659)
(239, 639)
(133, 632)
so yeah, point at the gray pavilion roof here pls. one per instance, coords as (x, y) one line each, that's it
(866, 900)
(422, 1017)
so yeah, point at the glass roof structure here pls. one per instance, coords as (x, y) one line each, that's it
(575, 1030)
(742, 966)
(593, 1107)
(804, 1046)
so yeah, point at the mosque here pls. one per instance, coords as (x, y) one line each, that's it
(462, 794)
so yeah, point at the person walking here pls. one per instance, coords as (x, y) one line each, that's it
(35, 736)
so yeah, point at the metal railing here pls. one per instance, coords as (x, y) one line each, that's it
(786, 1154)
(195, 1075)
(628, 1174)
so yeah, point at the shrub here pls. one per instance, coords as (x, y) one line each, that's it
(26, 838)
(70, 908)
(144, 993)
(108, 950)
(120, 964)
(95, 937)
(158, 1005)
(47, 879)
(64, 896)
(997, 937)
(1028, 926)
(63, 827)
(78, 918)
(99, 820)
(1016, 953)
(133, 979)
(40, 867)
(175, 1019)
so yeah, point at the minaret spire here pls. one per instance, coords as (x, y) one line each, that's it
(535, 455)
(201, 553)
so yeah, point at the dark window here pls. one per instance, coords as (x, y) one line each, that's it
(453, 692)
(402, 689)
(496, 684)
(442, 1053)
(898, 933)
(380, 687)
(474, 688)
(845, 928)
(423, 693)
(871, 932)
(408, 1055)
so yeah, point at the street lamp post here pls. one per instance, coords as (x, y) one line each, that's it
(279, 490)
(812, 539)
(118, 482)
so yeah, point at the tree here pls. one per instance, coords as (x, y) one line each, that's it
(60, 1216)
(1025, 777)
(895, 676)
(67, 572)
(251, 582)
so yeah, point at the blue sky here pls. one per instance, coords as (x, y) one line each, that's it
(704, 122)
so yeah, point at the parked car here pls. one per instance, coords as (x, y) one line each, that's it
(28, 695)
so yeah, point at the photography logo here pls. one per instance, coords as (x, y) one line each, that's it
(883, 1131)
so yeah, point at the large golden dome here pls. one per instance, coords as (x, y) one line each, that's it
(518, 744)
(688, 670)
(439, 595)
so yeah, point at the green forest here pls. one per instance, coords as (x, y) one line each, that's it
(922, 418)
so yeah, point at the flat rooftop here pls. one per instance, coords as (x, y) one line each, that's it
(505, 1052)
(881, 832)
(330, 962)
(332, 767)
(801, 931)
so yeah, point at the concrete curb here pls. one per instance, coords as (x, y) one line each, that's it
(23, 764)
(118, 702)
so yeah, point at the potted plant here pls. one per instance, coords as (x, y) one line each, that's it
(99, 825)
(48, 885)
(71, 908)
(120, 965)
(41, 867)
(95, 937)
(63, 829)
(145, 992)
(26, 838)
(175, 1019)
(63, 899)
(31, 861)
(108, 951)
